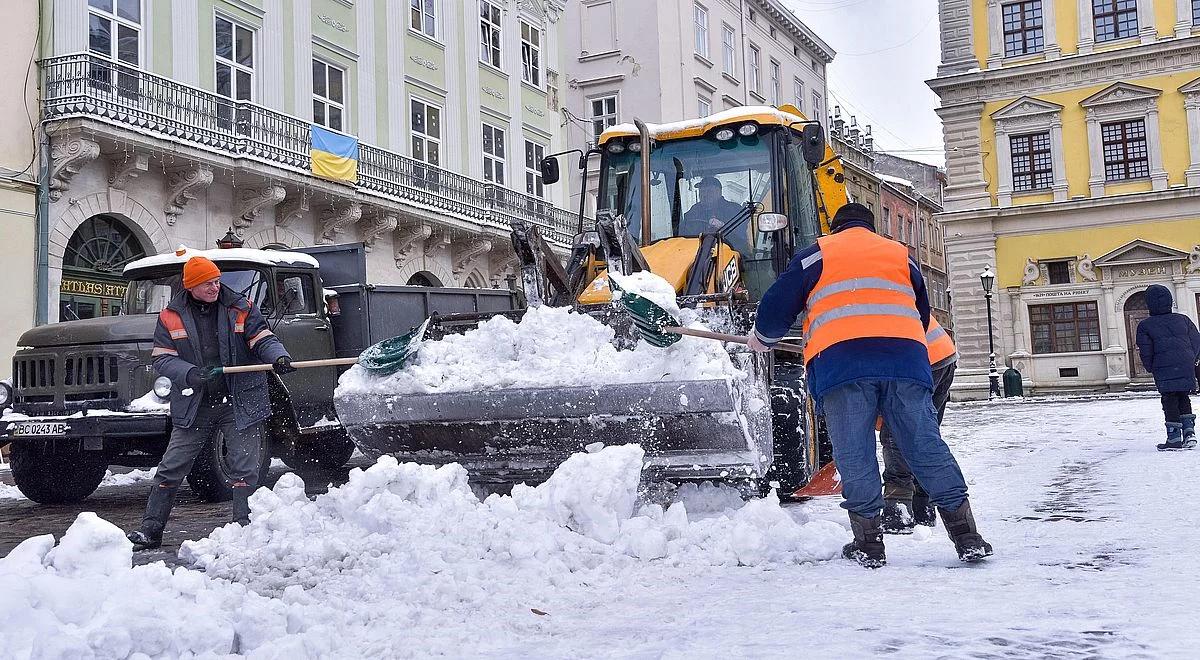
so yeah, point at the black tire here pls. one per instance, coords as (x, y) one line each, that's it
(210, 476)
(791, 466)
(56, 476)
(324, 452)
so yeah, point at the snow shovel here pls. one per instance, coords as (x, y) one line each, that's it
(383, 359)
(826, 481)
(657, 327)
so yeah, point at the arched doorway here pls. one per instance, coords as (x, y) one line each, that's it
(423, 278)
(92, 263)
(1135, 311)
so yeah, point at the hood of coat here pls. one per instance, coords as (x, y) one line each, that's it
(1159, 300)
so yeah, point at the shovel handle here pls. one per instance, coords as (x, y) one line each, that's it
(303, 364)
(735, 339)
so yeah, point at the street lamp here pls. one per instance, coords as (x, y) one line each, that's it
(230, 240)
(988, 279)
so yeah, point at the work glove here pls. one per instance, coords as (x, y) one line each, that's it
(198, 376)
(283, 365)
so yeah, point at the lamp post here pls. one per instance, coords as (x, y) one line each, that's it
(988, 279)
(229, 240)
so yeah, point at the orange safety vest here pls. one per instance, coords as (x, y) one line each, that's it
(865, 290)
(941, 346)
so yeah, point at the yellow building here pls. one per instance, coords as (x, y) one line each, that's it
(1073, 154)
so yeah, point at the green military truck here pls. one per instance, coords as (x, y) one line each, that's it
(84, 396)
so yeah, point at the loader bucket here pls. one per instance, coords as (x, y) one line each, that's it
(691, 430)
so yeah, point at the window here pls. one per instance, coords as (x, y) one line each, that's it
(1114, 19)
(493, 154)
(426, 132)
(1032, 166)
(115, 33)
(700, 21)
(728, 58)
(1126, 154)
(704, 106)
(887, 221)
(531, 54)
(796, 51)
(771, 31)
(1195, 12)
(534, 153)
(1065, 328)
(489, 33)
(423, 17)
(755, 65)
(1023, 28)
(776, 88)
(329, 95)
(604, 114)
(816, 98)
(798, 93)
(1059, 272)
(234, 65)
(752, 16)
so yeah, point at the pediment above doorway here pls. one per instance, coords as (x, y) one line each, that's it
(1140, 251)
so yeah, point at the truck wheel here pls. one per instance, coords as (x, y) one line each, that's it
(326, 451)
(56, 477)
(210, 476)
(791, 467)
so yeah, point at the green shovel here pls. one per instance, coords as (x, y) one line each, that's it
(382, 359)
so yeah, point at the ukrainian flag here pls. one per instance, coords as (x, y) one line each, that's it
(334, 156)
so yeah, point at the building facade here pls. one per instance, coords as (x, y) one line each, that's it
(671, 60)
(1073, 154)
(170, 122)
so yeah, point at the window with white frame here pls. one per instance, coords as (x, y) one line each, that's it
(423, 17)
(604, 114)
(489, 33)
(329, 95)
(755, 66)
(531, 54)
(816, 108)
(493, 154)
(776, 84)
(704, 106)
(534, 153)
(798, 93)
(234, 60)
(426, 130)
(700, 24)
(115, 33)
(729, 50)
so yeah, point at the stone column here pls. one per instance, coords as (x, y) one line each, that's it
(1115, 355)
(995, 23)
(1087, 33)
(1096, 177)
(1147, 30)
(964, 161)
(1183, 20)
(302, 42)
(1050, 31)
(966, 258)
(1004, 184)
(1158, 173)
(1191, 103)
(366, 127)
(185, 42)
(957, 39)
(70, 28)
(1058, 160)
(397, 18)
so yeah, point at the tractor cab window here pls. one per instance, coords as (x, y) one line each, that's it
(152, 295)
(697, 186)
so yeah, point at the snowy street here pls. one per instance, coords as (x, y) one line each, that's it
(1092, 560)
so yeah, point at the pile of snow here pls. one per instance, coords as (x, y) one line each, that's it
(149, 403)
(402, 560)
(550, 347)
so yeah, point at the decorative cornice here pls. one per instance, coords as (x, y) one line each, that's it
(252, 201)
(183, 186)
(432, 66)
(333, 23)
(67, 157)
(1120, 92)
(340, 50)
(125, 168)
(335, 220)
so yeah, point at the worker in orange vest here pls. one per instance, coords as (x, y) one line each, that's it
(905, 503)
(866, 319)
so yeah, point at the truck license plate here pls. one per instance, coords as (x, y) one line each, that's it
(39, 428)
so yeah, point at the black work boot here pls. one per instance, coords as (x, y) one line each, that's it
(148, 536)
(960, 525)
(897, 517)
(241, 503)
(924, 513)
(867, 546)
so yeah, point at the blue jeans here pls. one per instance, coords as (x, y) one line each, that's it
(907, 409)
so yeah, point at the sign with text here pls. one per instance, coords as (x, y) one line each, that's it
(1060, 294)
(92, 288)
(1141, 271)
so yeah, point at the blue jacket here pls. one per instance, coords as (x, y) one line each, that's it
(244, 338)
(847, 361)
(1168, 343)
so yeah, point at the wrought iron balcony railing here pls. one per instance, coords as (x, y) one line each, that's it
(86, 85)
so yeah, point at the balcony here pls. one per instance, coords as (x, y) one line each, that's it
(96, 88)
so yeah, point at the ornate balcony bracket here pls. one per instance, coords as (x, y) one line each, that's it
(381, 224)
(439, 240)
(406, 239)
(290, 209)
(334, 221)
(469, 252)
(67, 157)
(126, 168)
(501, 263)
(182, 186)
(252, 202)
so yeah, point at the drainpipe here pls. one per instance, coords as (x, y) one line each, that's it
(745, 62)
(43, 230)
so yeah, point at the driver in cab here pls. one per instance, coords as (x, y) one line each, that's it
(710, 212)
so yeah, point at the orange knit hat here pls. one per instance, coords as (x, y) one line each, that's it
(199, 270)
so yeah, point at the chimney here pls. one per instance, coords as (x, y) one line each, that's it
(838, 123)
(853, 133)
(869, 140)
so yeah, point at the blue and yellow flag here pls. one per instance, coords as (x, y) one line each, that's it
(334, 156)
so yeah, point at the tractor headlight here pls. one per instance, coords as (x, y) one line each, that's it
(162, 387)
(635, 147)
(615, 147)
(746, 130)
(5, 394)
(724, 135)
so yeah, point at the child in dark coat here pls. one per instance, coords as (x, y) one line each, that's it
(1169, 345)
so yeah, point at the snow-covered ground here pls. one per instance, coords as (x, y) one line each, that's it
(1092, 527)
(111, 478)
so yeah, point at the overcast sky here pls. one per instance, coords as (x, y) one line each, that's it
(886, 50)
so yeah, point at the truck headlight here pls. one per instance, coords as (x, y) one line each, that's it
(162, 387)
(5, 394)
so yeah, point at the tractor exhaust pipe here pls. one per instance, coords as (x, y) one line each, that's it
(644, 132)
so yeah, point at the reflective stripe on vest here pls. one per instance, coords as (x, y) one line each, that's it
(941, 347)
(173, 322)
(865, 290)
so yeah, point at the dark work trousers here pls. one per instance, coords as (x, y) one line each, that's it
(242, 458)
(898, 482)
(1176, 404)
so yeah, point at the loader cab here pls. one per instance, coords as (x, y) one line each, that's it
(732, 174)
